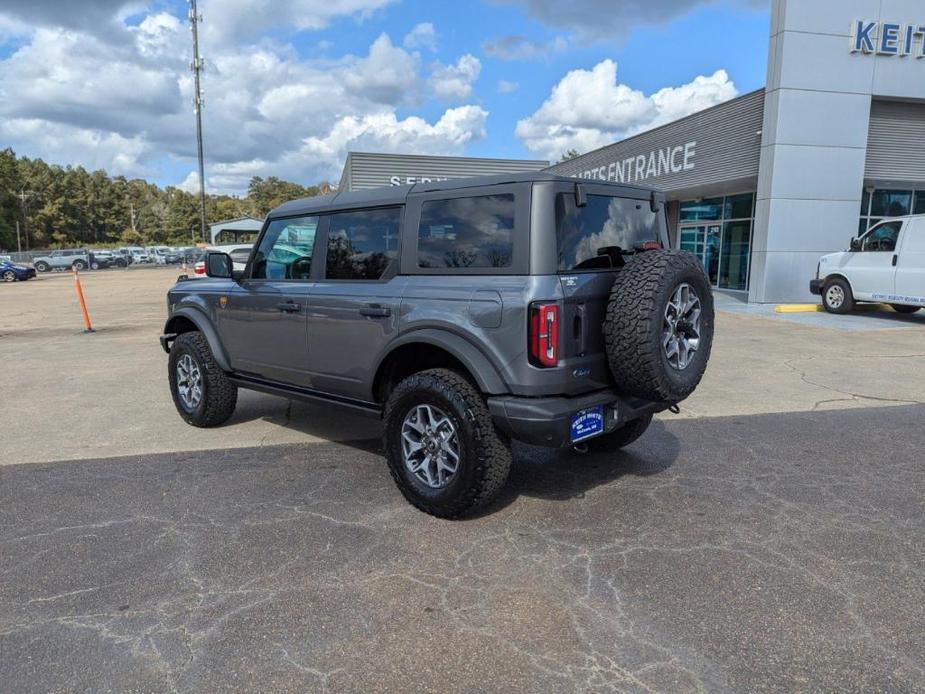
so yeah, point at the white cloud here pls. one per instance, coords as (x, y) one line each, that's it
(507, 87)
(388, 75)
(516, 47)
(422, 36)
(454, 82)
(125, 105)
(230, 21)
(588, 109)
(609, 19)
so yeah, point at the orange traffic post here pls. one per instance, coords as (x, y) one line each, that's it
(88, 327)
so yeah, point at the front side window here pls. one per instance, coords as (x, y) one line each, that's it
(362, 244)
(883, 237)
(590, 237)
(474, 232)
(285, 251)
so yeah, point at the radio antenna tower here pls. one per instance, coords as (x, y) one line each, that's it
(197, 66)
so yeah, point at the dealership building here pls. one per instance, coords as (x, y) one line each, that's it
(761, 186)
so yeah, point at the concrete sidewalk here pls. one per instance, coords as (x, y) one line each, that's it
(74, 396)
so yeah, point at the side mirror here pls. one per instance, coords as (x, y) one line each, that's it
(219, 265)
(855, 245)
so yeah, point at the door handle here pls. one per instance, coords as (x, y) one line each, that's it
(289, 307)
(374, 311)
(895, 259)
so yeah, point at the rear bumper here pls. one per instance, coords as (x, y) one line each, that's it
(547, 421)
(815, 287)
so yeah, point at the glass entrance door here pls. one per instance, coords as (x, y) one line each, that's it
(704, 241)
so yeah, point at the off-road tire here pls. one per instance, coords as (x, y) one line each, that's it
(94, 266)
(9, 276)
(847, 306)
(42, 266)
(219, 395)
(634, 322)
(622, 437)
(79, 265)
(485, 460)
(902, 308)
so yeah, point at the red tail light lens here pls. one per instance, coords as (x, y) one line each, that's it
(544, 335)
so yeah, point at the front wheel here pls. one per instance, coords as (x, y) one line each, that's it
(94, 266)
(201, 391)
(902, 308)
(442, 447)
(9, 276)
(837, 297)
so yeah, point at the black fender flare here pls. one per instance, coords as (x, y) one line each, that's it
(204, 325)
(483, 371)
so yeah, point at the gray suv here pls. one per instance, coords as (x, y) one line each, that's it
(464, 313)
(60, 260)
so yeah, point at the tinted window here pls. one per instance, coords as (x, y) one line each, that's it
(703, 210)
(739, 206)
(919, 203)
(585, 234)
(285, 251)
(475, 232)
(361, 245)
(891, 203)
(883, 237)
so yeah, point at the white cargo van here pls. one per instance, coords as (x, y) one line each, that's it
(885, 265)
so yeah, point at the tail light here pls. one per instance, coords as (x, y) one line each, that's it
(544, 335)
(649, 246)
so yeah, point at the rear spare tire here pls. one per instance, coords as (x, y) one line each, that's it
(659, 325)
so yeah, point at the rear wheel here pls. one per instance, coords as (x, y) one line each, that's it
(42, 266)
(9, 276)
(79, 265)
(659, 326)
(902, 308)
(837, 296)
(201, 391)
(443, 450)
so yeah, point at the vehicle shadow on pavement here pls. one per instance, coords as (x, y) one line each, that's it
(563, 475)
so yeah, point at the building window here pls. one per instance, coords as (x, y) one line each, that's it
(889, 203)
(719, 232)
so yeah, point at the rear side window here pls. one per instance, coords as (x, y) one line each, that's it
(588, 237)
(362, 244)
(474, 232)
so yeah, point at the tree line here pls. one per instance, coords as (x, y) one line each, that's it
(68, 206)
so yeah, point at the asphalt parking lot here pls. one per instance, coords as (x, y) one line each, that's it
(768, 539)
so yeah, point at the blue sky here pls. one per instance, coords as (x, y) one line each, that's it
(294, 84)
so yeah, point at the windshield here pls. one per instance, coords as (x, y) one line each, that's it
(590, 237)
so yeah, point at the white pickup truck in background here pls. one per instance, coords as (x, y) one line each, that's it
(886, 265)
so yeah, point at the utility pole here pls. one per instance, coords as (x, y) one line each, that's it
(23, 195)
(18, 240)
(196, 66)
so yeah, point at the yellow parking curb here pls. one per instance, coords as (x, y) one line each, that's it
(797, 308)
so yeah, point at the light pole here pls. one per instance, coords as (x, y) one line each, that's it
(196, 66)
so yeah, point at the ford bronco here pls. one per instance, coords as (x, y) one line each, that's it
(465, 314)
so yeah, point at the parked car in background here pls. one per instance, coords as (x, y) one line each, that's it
(7, 258)
(239, 254)
(11, 272)
(63, 260)
(885, 265)
(121, 258)
(101, 259)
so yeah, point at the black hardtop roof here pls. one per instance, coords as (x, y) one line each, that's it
(398, 195)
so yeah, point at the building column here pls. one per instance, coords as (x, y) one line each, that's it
(813, 145)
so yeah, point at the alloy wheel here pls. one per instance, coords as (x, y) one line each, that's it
(681, 327)
(430, 445)
(189, 382)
